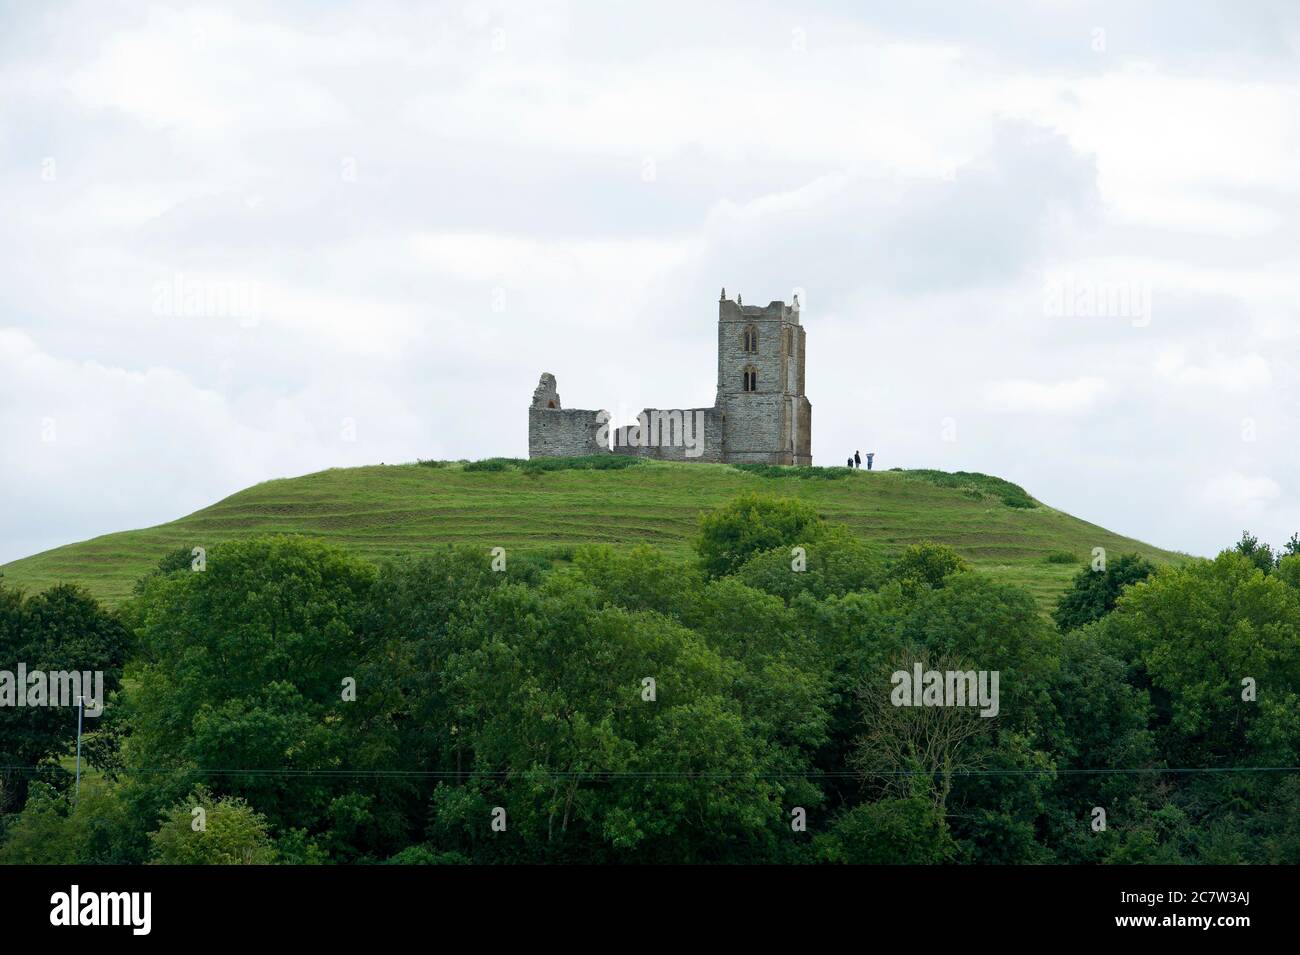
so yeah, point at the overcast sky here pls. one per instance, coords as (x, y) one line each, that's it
(1056, 242)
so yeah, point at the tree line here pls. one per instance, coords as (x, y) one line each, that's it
(293, 703)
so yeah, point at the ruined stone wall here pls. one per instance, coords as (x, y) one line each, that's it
(556, 432)
(663, 435)
(563, 433)
(770, 425)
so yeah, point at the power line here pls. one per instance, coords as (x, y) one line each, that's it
(601, 775)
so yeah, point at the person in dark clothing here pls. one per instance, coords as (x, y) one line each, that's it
(849, 464)
(870, 455)
(857, 460)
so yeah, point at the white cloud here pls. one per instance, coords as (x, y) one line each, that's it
(1217, 372)
(436, 204)
(1073, 396)
(94, 448)
(1239, 492)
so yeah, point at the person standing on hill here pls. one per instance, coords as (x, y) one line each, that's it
(857, 460)
(870, 455)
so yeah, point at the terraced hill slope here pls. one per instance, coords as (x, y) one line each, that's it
(388, 510)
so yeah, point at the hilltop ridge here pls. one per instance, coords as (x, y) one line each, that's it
(549, 505)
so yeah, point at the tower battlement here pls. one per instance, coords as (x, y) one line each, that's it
(729, 311)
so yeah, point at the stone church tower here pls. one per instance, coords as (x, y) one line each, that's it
(765, 415)
(761, 414)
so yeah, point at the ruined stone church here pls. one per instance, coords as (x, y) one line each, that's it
(760, 415)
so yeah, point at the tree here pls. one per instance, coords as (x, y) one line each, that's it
(783, 681)
(243, 667)
(231, 833)
(749, 525)
(900, 745)
(1288, 570)
(424, 855)
(632, 706)
(834, 565)
(1261, 555)
(176, 560)
(906, 830)
(1093, 593)
(974, 623)
(1218, 644)
(639, 578)
(1098, 719)
(1292, 547)
(926, 564)
(553, 720)
(62, 629)
(41, 833)
(52, 829)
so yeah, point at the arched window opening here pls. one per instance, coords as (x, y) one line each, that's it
(751, 378)
(751, 340)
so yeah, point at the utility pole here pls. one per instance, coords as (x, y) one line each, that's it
(81, 705)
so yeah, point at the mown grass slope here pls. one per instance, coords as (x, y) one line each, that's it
(382, 511)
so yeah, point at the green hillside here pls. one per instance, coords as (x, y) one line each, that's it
(388, 510)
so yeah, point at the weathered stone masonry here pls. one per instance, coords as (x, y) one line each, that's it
(761, 413)
(554, 432)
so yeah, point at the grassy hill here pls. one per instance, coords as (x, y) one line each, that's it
(382, 511)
